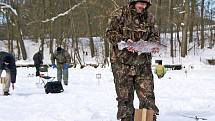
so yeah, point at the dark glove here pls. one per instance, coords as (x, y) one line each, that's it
(53, 66)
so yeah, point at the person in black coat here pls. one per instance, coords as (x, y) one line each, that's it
(38, 61)
(7, 63)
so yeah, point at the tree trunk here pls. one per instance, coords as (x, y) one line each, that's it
(51, 39)
(171, 26)
(213, 38)
(158, 14)
(197, 34)
(9, 33)
(22, 44)
(92, 48)
(9, 44)
(51, 28)
(192, 19)
(18, 48)
(43, 27)
(178, 39)
(16, 20)
(202, 25)
(211, 31)
(184, 31)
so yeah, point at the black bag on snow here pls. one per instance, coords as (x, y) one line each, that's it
(53, 87)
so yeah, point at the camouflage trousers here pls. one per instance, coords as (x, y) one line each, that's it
(129, 79)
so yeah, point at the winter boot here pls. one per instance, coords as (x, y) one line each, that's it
(66, 83)
(37, 73)
(6, 93)
(127, 119)
(125, 114)
(154, 117)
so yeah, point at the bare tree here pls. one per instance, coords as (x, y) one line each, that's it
(192, 19)
(92, 48)
(184, 31)
(17, 21)
(158, 14)
(202, 25)
(171, 26)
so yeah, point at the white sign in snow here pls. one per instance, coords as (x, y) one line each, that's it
(98, 76)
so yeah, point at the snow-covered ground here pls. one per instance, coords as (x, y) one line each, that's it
(84, 99)
(87, 98)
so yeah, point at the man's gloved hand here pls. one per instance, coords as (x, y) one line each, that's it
(53, 66)
(65, 66)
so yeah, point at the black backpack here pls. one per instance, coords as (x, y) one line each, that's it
(53, 87)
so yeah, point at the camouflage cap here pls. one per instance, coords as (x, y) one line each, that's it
(146, 1)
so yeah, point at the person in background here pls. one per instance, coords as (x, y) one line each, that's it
(160, 70)
(7, 63)
(38, 61)
(63, 60)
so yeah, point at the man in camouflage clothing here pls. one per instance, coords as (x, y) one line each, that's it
(132, 71)
(63, 60)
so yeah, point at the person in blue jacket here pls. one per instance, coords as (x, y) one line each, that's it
(63, 59)
(7, 63)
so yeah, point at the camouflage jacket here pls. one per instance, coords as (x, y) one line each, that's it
(61, 57)
(126, 24)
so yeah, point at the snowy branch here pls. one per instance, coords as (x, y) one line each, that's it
(182, 12)
(176, 8)
(6, 6)
(65, 13)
